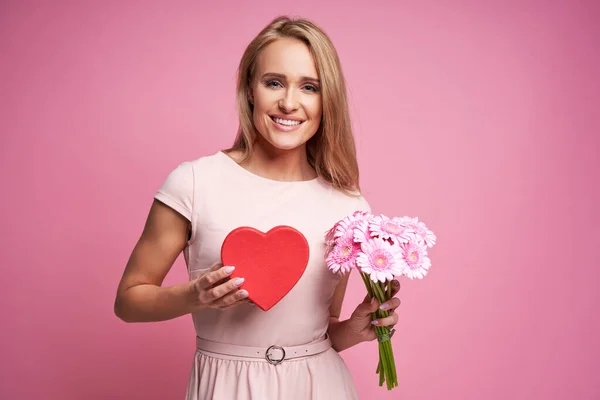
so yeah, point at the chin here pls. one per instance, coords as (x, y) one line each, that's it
(285, 145)
(285, 141)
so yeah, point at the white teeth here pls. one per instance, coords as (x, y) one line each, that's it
(286, 122)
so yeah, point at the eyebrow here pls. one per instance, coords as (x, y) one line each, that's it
(283, 77)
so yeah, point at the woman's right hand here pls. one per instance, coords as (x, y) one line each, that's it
(215, 289)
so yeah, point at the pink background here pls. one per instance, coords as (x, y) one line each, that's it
(481, 118)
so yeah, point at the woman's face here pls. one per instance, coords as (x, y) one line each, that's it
(286, 94)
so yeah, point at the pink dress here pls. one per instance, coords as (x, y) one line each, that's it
(217, 195)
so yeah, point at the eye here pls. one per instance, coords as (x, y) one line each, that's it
(273, 84)
(311, 88)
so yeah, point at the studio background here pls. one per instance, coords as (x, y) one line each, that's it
(481, 118)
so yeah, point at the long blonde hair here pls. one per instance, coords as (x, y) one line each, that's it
(331, 151)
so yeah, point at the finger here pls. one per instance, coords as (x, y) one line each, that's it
(391, 304)
(371, 334)
(393, 309)
(214, 275)
(215, 267)
(201, 281)
(232, 299)
(219, 291)
(390, 320)
(395, 287)
(365, 309)
(222, 281)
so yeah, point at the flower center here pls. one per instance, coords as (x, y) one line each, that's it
(346, 250)
(380, 260)
(413, 257)
(390, 227)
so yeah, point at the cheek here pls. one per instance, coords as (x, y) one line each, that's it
(258, 109)
(259, 121)
(314, 108)
(264, 97)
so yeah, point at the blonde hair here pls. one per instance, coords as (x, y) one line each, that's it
(331, 151)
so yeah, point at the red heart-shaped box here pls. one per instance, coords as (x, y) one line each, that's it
(271, 263)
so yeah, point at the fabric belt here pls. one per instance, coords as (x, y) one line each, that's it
(274, 354)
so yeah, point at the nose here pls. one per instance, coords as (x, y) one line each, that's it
(288, 101)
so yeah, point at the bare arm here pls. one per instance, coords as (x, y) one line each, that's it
(341, 337)
(358, 328)
(140, 297)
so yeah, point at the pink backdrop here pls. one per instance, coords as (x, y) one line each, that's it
(480, 118)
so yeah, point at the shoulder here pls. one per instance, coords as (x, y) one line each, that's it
(187, 170)
(350, 201)
(207, 162)
(178, 189)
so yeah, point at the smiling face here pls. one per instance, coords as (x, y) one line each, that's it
(286, 96)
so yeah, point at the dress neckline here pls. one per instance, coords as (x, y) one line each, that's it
(233, 163)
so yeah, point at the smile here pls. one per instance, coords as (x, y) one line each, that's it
(286, 122)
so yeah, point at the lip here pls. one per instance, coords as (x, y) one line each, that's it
(286, 128)
(288, 117)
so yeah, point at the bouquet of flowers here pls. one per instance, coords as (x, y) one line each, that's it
(381, 249)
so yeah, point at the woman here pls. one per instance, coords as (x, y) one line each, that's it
(293, 163)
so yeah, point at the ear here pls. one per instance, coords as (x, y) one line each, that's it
(250, 95)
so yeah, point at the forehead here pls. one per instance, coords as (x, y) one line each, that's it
(288, 56)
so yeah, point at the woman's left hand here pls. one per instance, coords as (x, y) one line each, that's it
(361, 322)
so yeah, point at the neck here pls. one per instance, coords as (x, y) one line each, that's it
(280, 165)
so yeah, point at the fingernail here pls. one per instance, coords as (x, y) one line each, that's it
(375, 322)
(229, 270)
(238, 281)
(243, 294)
(384, 306)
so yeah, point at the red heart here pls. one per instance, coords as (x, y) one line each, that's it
(271, 263)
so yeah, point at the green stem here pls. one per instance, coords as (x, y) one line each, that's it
(386, 367)
(381, 372)
(367, 282)
(378, 292)
(383, 356)
(393, 377)
(389, 356)
(382, 360)
(386, 352)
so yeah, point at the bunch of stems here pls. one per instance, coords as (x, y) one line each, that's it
(386, 368)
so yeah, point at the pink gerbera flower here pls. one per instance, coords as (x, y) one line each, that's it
(392, 229)
(342, 257)
(362, 232)
(361, 213)
(330, 239)
(420, 229)
(346, 228)
(381, 260)
(414, 254)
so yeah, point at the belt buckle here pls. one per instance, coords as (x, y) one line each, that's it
(271, 360)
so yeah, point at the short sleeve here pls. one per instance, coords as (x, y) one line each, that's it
(177, 191)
